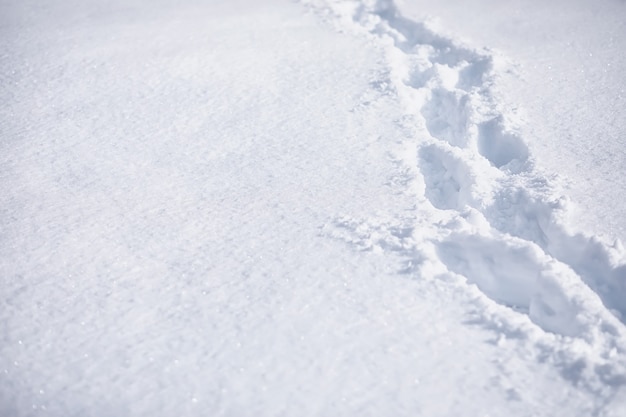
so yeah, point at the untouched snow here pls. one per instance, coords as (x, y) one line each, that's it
(305, 208)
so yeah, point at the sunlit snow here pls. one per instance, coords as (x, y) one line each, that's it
(311, 208)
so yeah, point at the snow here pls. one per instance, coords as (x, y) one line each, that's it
(322, 207)
(566, 79)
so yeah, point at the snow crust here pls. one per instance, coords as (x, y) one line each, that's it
(313, 208)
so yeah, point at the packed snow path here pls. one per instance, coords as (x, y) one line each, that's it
(217, 212)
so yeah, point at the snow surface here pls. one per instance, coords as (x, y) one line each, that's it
(305, 208)
(566, 80)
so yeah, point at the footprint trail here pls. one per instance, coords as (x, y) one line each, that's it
(484, 213)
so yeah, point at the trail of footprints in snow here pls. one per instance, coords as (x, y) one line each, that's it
(506, 236)
(526, 257)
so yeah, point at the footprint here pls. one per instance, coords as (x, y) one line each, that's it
(516, 211)
(517, 274)
(447, 116)
(474, 73)
(448, 179)
(502, 148)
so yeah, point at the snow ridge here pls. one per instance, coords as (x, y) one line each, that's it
(485, 215)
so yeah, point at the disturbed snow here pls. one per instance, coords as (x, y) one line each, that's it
(210, 211)
(566, 80)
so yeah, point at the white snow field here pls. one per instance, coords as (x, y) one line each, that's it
(310, 208)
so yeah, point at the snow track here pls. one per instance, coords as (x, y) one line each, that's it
(484, 214)
(231, 209)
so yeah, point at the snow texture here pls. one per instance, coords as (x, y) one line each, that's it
(217, 212)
